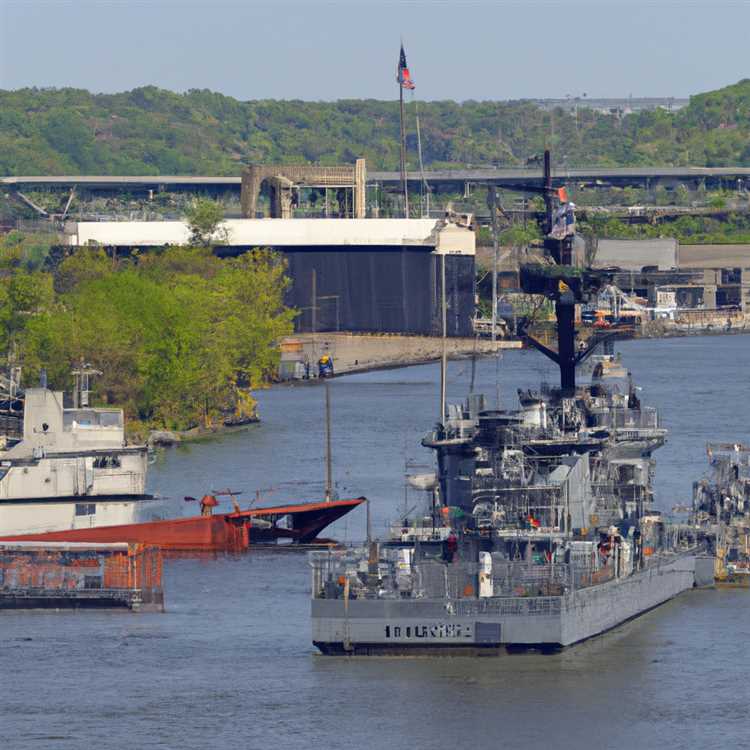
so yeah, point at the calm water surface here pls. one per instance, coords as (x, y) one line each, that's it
(230, 664)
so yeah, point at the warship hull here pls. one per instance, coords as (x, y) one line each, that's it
(494, 625)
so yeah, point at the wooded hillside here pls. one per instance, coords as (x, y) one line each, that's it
(152, 131)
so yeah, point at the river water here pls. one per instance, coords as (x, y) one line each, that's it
(230, 665)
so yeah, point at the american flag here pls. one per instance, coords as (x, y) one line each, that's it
(402, 74)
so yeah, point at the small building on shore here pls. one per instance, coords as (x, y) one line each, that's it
(359, 275)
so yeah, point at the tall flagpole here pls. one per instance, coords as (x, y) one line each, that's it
(404, 187)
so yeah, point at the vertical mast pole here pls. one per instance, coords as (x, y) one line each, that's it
(329, 463)
(404, 187)
(314, 314)
(368, 522)
(547, 191)
(496, 251)
(444, 357)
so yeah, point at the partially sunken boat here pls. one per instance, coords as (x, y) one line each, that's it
(67, 474)
(541, 532)
(296, 523)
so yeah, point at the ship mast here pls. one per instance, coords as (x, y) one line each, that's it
(329, 459)
(444, 355)
(82, 376)
(563, 285)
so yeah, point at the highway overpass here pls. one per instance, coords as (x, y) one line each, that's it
(443, 180)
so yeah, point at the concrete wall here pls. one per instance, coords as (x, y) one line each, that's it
(714, 256)
(633, 255)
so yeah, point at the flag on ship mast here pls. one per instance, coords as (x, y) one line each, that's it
(403, 76)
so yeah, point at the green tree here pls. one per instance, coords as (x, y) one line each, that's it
(181, 336)
(204, 218)
(24, 295)
(85, 264)
(717, 200)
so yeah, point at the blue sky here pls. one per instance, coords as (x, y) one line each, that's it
(475, 49)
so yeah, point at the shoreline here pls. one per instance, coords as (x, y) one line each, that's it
(412, 354)
(169, 438)
(460, 352)
(360, 352)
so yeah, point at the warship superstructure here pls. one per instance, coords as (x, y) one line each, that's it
(541, 531)
(66, 466)
(721, 511)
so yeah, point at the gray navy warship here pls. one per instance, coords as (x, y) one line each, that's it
(721, 511)
(540, 530)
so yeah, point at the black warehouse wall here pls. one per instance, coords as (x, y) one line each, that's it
(380, 289)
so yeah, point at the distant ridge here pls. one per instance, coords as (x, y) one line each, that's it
(153, 131)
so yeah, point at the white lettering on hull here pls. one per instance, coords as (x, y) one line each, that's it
(429, 631)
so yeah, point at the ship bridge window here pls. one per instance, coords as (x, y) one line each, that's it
(107, 462)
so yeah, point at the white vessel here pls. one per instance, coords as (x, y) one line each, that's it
(66, 468)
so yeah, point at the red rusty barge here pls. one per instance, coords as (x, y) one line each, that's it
(236, 531)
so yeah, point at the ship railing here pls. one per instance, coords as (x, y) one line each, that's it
(434, 579)
(585, 577)
(645, 418)
(529, 579)
(458, 432)
(520, 498)
(521, 434)
(426, 533)
(334, 573)
(331, 568)
(509, 605)
(508, 579)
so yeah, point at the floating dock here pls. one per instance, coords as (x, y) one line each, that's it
(69, 575)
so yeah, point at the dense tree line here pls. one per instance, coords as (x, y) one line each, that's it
(181, 336)
(152, 131)
(733, 228)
